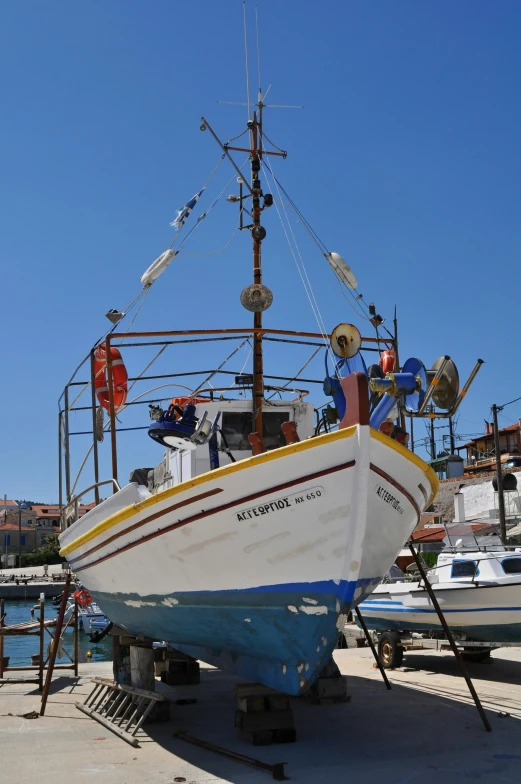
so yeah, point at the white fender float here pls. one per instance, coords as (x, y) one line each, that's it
(157, 267)
(342, 269)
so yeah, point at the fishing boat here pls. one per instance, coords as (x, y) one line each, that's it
(87, 615)
(479, 592)
(269, 517)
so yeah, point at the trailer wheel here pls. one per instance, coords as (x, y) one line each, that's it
(390, 652)
(477, 654)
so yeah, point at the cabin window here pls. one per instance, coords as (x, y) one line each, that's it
(236, 427)
(511, 565)
(463, 568)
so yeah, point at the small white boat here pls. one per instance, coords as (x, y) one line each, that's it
(479, 593)
(86, 615)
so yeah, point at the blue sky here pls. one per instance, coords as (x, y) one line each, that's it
(405, 160)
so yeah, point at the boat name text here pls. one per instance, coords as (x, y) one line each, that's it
(389, 498)
(286, 502)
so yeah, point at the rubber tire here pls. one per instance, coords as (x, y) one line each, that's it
(390, 652)
(478, 655)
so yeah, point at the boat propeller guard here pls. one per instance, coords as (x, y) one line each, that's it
(179, 428)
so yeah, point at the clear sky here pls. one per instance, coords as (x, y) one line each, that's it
(405, 160)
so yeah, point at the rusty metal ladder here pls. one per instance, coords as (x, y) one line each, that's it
(121, 709)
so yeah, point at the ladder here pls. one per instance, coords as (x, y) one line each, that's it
(121, 709)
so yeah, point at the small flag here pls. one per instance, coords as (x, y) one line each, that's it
(184, 212)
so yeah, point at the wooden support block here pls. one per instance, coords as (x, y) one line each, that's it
(285, 736)
(251, 704)
(258, 738)
(267, 720)
(159, 667)
(142, 668)
(181, 673)
(330, 689)
(277, 702)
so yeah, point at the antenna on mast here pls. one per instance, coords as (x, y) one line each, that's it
(246, 59)
(258, 53)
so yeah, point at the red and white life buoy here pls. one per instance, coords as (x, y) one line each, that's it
(119, 377)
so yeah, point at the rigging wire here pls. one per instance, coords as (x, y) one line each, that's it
(205, 214)
(302, 272)
(304, 366)
(312, 233)
(213, 252)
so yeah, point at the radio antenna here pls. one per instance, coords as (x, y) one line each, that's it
(258, 49)
(246, 59)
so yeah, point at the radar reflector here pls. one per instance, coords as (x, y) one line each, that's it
(342, 270)
(345, 341)
(447, 389)
(414, 399)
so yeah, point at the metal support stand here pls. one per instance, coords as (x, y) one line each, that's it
(450, 638)
(373, 649)
(56, 641)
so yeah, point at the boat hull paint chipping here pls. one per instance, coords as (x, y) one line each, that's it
(258, 575)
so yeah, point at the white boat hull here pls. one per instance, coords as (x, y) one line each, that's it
(485, 613)
(253, 566)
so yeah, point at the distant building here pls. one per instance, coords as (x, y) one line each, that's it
(48, 515)
(481, 451)
(38, 522)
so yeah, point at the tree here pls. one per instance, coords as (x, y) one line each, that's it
(48, 553)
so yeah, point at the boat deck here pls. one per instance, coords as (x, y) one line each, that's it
(425, 730)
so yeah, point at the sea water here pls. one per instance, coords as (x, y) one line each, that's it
(20, 649)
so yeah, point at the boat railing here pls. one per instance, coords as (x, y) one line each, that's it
(74, 503)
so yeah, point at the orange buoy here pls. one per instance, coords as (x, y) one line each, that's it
(119, 377)
(387, 360)
(83, 597)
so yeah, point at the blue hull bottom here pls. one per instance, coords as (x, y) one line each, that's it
(281, 636)
(497, 633)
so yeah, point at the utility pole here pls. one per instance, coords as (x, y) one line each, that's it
(433, 442)
(451, 434)
(500, 496)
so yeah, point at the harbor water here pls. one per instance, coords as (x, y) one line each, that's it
(20, 649)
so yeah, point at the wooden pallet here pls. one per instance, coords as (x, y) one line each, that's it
(121, 709)
(264, 716)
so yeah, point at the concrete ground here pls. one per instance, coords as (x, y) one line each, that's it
(29, 571)
(424, 731)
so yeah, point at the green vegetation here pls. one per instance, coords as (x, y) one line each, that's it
(431, 559)
(49, 553)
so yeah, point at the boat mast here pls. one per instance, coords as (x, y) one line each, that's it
(258, 233)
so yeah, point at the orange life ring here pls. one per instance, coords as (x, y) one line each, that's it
(119, 377)
(83, 597)
(387, 360)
